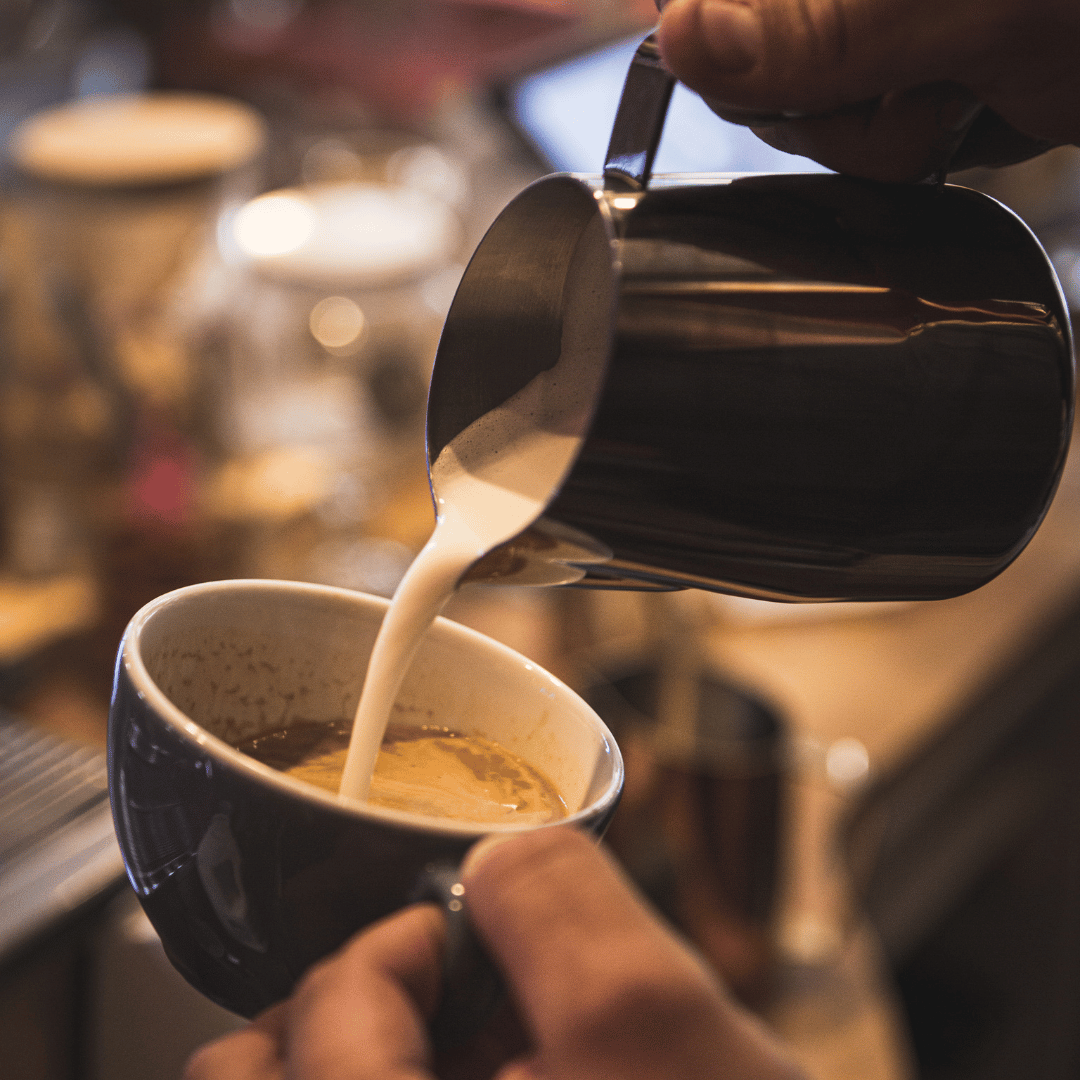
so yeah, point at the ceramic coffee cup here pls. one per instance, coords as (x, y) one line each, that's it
(249, 875)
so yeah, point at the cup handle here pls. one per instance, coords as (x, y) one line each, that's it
(472, 988)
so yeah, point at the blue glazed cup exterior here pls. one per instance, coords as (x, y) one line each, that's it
(250, 876)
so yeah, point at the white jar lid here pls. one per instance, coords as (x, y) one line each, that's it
(138, 139)
(346, 234)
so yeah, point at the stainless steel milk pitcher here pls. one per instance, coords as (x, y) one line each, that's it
(816, 388)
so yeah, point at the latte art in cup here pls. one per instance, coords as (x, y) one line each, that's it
(431, 771)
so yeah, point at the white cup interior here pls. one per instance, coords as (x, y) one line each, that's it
(226, 661)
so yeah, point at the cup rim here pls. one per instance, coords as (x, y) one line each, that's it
(188, 730)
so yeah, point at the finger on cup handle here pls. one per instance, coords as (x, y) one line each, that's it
(602, 987)
(361, 1014)
(252, 1053)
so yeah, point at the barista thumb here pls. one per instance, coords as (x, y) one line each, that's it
(866, 87)
(601, 985)
(810, 57)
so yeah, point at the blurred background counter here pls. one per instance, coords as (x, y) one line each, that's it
(229, 233)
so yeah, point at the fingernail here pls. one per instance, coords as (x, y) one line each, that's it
(731, 32)
(482, 849)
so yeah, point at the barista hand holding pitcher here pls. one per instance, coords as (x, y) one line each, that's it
(886, 89)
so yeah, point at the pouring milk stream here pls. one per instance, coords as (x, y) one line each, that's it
(491, 482)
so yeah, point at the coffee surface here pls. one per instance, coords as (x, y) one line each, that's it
(431, 771)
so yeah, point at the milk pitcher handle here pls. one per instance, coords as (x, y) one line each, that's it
(639, 120)
(643, 106)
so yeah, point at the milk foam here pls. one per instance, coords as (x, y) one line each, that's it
(491, 482)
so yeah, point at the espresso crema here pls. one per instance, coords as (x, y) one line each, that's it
(430, 771)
